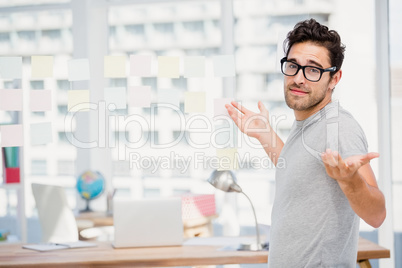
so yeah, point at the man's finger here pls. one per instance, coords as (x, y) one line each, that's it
(372, 155)
(234, 114)
(262, 109)
(332, 160)
(240, 107)
(339, 159)
(366, 158)
(329, 158)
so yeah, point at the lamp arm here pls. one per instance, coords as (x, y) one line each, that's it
(256, 222)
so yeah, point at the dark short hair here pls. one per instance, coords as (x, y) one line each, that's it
(312, 31)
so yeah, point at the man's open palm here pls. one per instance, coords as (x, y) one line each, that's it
(250, 123)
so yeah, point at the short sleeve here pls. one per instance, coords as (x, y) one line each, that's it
(352, 140)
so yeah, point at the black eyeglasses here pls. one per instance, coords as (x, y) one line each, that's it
(311, 73)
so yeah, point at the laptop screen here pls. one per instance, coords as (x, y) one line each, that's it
(147, 223)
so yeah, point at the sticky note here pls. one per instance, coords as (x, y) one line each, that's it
(11, 99)
(114, 66)
(168, 67)
(139, 96)
(194, 102)
(116, 96)
(40, 100)
(41, 133)
(228, 158)
(41, 66)
(11, 136)
(169, 96)
(223, 135)
(194, 66)
(224, 66)
(219, 106)
(78, 100)
(140, 65)
(10, 67)
(78, 70)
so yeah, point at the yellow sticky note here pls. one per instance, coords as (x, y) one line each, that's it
(41, 66)
(78, 100)
(228, 158)
(168, 67)
(194, 102)
(114, 66)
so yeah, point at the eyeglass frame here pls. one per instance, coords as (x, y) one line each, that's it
(285, 59)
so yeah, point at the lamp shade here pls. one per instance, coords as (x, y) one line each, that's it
(224, 180)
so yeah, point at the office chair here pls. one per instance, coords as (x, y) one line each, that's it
(56, 218)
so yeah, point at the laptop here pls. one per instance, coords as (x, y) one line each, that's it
(147, 223)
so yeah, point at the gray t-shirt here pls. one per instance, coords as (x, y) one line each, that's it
(313, 224)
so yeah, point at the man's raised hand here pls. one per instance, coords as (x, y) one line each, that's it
(250, 123)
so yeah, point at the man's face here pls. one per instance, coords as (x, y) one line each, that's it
(301, 94)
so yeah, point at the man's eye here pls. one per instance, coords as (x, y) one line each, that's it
(292, 66)
(314, 71)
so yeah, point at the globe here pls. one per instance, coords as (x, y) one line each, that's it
(90, 185)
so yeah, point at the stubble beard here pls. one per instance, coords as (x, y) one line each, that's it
(302, 103)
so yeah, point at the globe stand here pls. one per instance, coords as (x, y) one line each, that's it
(87, 208)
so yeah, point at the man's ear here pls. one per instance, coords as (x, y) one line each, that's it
(335, 79)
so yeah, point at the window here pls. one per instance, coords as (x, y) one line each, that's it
(63, 84)
(4, 37)
(395, 8)
(65, 167)
(39, 167)
(135, 29)
(37, 84)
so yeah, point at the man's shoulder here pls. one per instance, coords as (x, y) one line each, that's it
(336, 112)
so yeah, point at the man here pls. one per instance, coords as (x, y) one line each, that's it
(327, 182)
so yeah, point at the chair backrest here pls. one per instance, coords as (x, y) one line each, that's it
(56, 218)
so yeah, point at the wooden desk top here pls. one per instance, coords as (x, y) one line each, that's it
(104, 255)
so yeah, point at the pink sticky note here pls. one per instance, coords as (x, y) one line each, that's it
(219, 106)
(140, 65)
(11, 136)
(139, 96)
(11, 99)
(40, 100)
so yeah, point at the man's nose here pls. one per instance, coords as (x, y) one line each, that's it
(299, 77)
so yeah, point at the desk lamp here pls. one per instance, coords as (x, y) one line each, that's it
(226, 181)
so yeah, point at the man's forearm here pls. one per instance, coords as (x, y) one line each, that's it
(272, 145)
(367, 201)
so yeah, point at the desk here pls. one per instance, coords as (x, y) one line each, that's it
(192, 227)
(12, 255)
